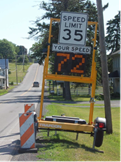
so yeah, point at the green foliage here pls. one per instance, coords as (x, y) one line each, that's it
(20, 59)
(113, 34)
(9, 72)
(26, 60)
(37, 52)
(21, 50)
(110, 64)
(99, 97)
(7, 49)
(115, 95)
(11, 83)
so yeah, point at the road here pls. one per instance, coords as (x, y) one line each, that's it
(12, 104)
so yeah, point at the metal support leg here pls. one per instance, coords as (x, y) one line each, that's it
(77, 136)
(48, 132)
(95, 133)
(55, 133)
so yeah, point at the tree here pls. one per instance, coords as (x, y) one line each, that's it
(113, 34)
(21, 50)
(7, 49)
(20, 59)
(38, 52)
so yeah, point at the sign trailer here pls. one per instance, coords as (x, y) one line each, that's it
(70, 57)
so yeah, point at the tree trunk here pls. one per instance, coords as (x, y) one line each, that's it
(67, 91)
(63, 90)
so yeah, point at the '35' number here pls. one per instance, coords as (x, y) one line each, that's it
(77, 33)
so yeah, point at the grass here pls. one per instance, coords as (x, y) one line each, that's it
(76, 98)
(79, 90)
(76, 104)
(65, 147)
(20, 72)
(12, 76)
(4, 91)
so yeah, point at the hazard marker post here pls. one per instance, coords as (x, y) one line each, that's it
(27, 132)
(29, 107)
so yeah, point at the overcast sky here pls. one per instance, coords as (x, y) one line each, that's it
(16, 17)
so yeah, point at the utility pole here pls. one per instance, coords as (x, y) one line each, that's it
(5, 73)
(104, 69)
(23, 60)
(16, 72)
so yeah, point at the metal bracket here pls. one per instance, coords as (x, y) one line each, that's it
(92, 100)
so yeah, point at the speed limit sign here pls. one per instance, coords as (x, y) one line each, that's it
(73, 28)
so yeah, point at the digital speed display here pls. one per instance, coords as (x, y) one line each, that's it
(69, 63)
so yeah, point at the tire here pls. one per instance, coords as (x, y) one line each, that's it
(99, 138)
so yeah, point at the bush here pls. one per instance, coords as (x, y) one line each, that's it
(99, 97)
(115, 95)
(9, 72)
(11, 83)
(20, 59)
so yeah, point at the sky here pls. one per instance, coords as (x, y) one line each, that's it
(16, 16)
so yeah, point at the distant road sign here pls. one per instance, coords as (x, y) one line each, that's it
(71, 48)
(73, 28)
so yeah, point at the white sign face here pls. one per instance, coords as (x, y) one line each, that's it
(71, 48)
(73, 28)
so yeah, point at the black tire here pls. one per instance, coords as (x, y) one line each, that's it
(99, 138)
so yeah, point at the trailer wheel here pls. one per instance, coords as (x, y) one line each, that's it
(99, 138)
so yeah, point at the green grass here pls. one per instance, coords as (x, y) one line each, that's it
(79, 90)
(4, 91)
(20, 72)
(12, 76)
(65, 147)
(75, 98)
(76, 104)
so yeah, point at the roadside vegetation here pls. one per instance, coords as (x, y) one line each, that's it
(79, 93)
(21, 72)
(12, 76)
(65, 147)
(4, 91)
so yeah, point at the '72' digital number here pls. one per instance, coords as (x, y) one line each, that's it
(77, 34)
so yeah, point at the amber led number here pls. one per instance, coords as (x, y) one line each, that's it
(78, 62)
(69, 63)
(62, 62)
